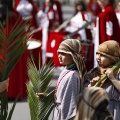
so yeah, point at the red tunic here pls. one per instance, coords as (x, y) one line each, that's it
(18, 76)
(108, 25)
(94, 7)
(52, 17)
(59, 11)
(107, 28)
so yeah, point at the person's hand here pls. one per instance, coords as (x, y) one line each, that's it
(94, 81)
(4, 85)
(40, 95)
(109, 73)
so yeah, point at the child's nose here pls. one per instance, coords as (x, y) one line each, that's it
(59, 55)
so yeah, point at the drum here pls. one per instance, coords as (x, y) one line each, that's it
(33, 44)
(34, 47)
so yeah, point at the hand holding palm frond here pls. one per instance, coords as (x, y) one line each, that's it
(40, 109)
(114, 68)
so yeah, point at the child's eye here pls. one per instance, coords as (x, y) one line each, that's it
(101, 55)
(61, 53)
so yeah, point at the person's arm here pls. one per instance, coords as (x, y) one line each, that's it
(94, 81)
(90, 81)
(4, 85)
(112, 78)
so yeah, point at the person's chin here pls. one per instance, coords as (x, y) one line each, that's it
(61, 62)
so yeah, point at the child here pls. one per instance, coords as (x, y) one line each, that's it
(107, 55)
(70, 81)
(93, 104)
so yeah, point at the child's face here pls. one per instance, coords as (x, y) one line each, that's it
(103, 3)
(47, 2)
(103, 61)
(65, 59)
(79, 7)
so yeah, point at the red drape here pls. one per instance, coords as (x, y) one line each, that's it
(18, 77)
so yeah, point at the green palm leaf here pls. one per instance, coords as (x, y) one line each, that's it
(12, 109)
(46, 106)
(114, 68)
(12, 46)
(40, 81)
(33, 103)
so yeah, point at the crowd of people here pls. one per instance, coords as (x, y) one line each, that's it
(95, 103)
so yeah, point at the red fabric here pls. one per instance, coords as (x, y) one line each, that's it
(18, 77)
(57, 37)
(34, 12)
(88, 51)
(94, 7)
(98, 9)
(90, 5)
(16, 4)
(53, 20)
(88, 31)
(108, 16)
(59, 11)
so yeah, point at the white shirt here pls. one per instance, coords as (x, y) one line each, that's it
(24, 8)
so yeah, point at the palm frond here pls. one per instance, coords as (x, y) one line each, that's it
(12, 46)
(12, 109)
(46, 106)
(40, 81)
(33, 103)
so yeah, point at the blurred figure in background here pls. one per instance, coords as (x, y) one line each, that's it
(80, 17)
(51, 13)
(28, 10)
(93, 7)
(43, 26)
(38, 26)
(107, 26)
(57, 6)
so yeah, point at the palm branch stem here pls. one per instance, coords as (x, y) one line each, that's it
(114, 68)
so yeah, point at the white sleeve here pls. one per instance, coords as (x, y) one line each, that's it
(51, 15)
